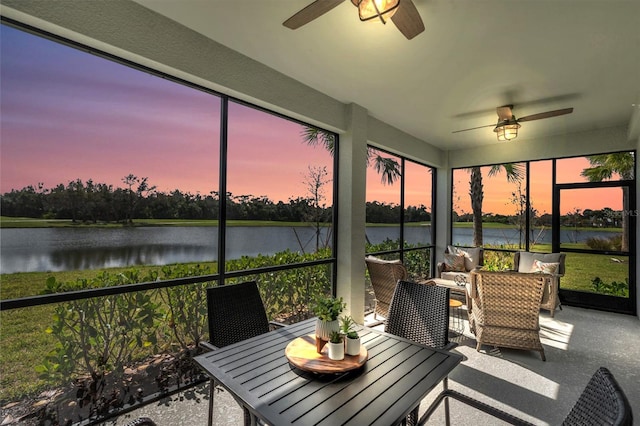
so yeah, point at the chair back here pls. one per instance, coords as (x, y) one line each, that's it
(384, 275)
(236, 313)
(523, 260)
(420, 313)
(507, 299)
(601, 403)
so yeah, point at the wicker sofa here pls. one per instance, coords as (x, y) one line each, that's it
(505, 309)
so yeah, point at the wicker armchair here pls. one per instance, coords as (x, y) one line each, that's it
(420, 312)
(384, 275)
(235, 313)
(505, 309)
(523, 262)
(602, 402)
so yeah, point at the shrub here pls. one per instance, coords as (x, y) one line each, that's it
(614, 288)
(185, 315)
(497, 260)
(97, 335)
(597, 243)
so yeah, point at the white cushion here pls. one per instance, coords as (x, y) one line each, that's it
(527, 258)
(452, 275)
(471, 256)
(545, 267)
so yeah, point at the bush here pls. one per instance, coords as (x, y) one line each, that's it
(185, 315)
(497, 260)
(605, 244)
(614, 288)
(97, 335)
(597, 243)
(417, 262)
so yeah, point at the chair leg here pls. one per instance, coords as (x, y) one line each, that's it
(212, 390)
(445, 384)
(446, 394)
(249, 419)
(542, 355)
(412, 418)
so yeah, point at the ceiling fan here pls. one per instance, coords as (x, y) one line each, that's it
(508, 125)
(403, 14)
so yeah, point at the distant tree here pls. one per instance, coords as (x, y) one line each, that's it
(388, 168)
(603, 167)
(315, 180)
(514, 173)
(134, 196)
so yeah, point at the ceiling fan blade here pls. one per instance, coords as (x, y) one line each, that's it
(547, 114)
(407, 19)
(311, 12)
(474, 128)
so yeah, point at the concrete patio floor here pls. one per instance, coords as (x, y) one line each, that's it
(577, 342)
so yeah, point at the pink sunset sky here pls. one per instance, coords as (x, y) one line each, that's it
(69, 115)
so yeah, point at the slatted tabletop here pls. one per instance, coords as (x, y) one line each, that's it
(395, 378)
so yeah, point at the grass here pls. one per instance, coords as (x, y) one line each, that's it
(23, 340)
(24, 343)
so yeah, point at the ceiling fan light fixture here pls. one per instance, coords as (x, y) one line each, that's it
(507, 130)
(372, 10)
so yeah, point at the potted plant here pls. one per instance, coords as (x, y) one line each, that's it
(336, 346)
(352, 340)
(327, 309)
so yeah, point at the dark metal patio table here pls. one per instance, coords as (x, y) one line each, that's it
(396, 377)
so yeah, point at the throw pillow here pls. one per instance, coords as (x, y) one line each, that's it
(527, 259)
(471, 256)
(453, 262)
(545, 267)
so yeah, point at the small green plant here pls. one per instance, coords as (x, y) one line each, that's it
(328, 308)
(346, 327)
(614, 288)
(335, 337)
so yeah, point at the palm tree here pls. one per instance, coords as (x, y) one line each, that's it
(388, 168)
(603, 167)
(514, 172)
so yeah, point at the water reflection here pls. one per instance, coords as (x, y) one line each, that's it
(97, 257)
(59, 249)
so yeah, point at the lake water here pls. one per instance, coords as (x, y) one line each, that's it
(58, 249)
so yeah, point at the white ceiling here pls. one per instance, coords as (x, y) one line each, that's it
(474, 55)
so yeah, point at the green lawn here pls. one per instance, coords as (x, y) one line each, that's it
(24, 342)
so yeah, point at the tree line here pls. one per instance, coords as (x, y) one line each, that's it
(91, 202)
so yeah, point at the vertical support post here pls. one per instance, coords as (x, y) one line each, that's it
(352, 213)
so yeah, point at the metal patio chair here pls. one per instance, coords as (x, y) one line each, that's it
(602, 402)
(420, 313)
(235, 313)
